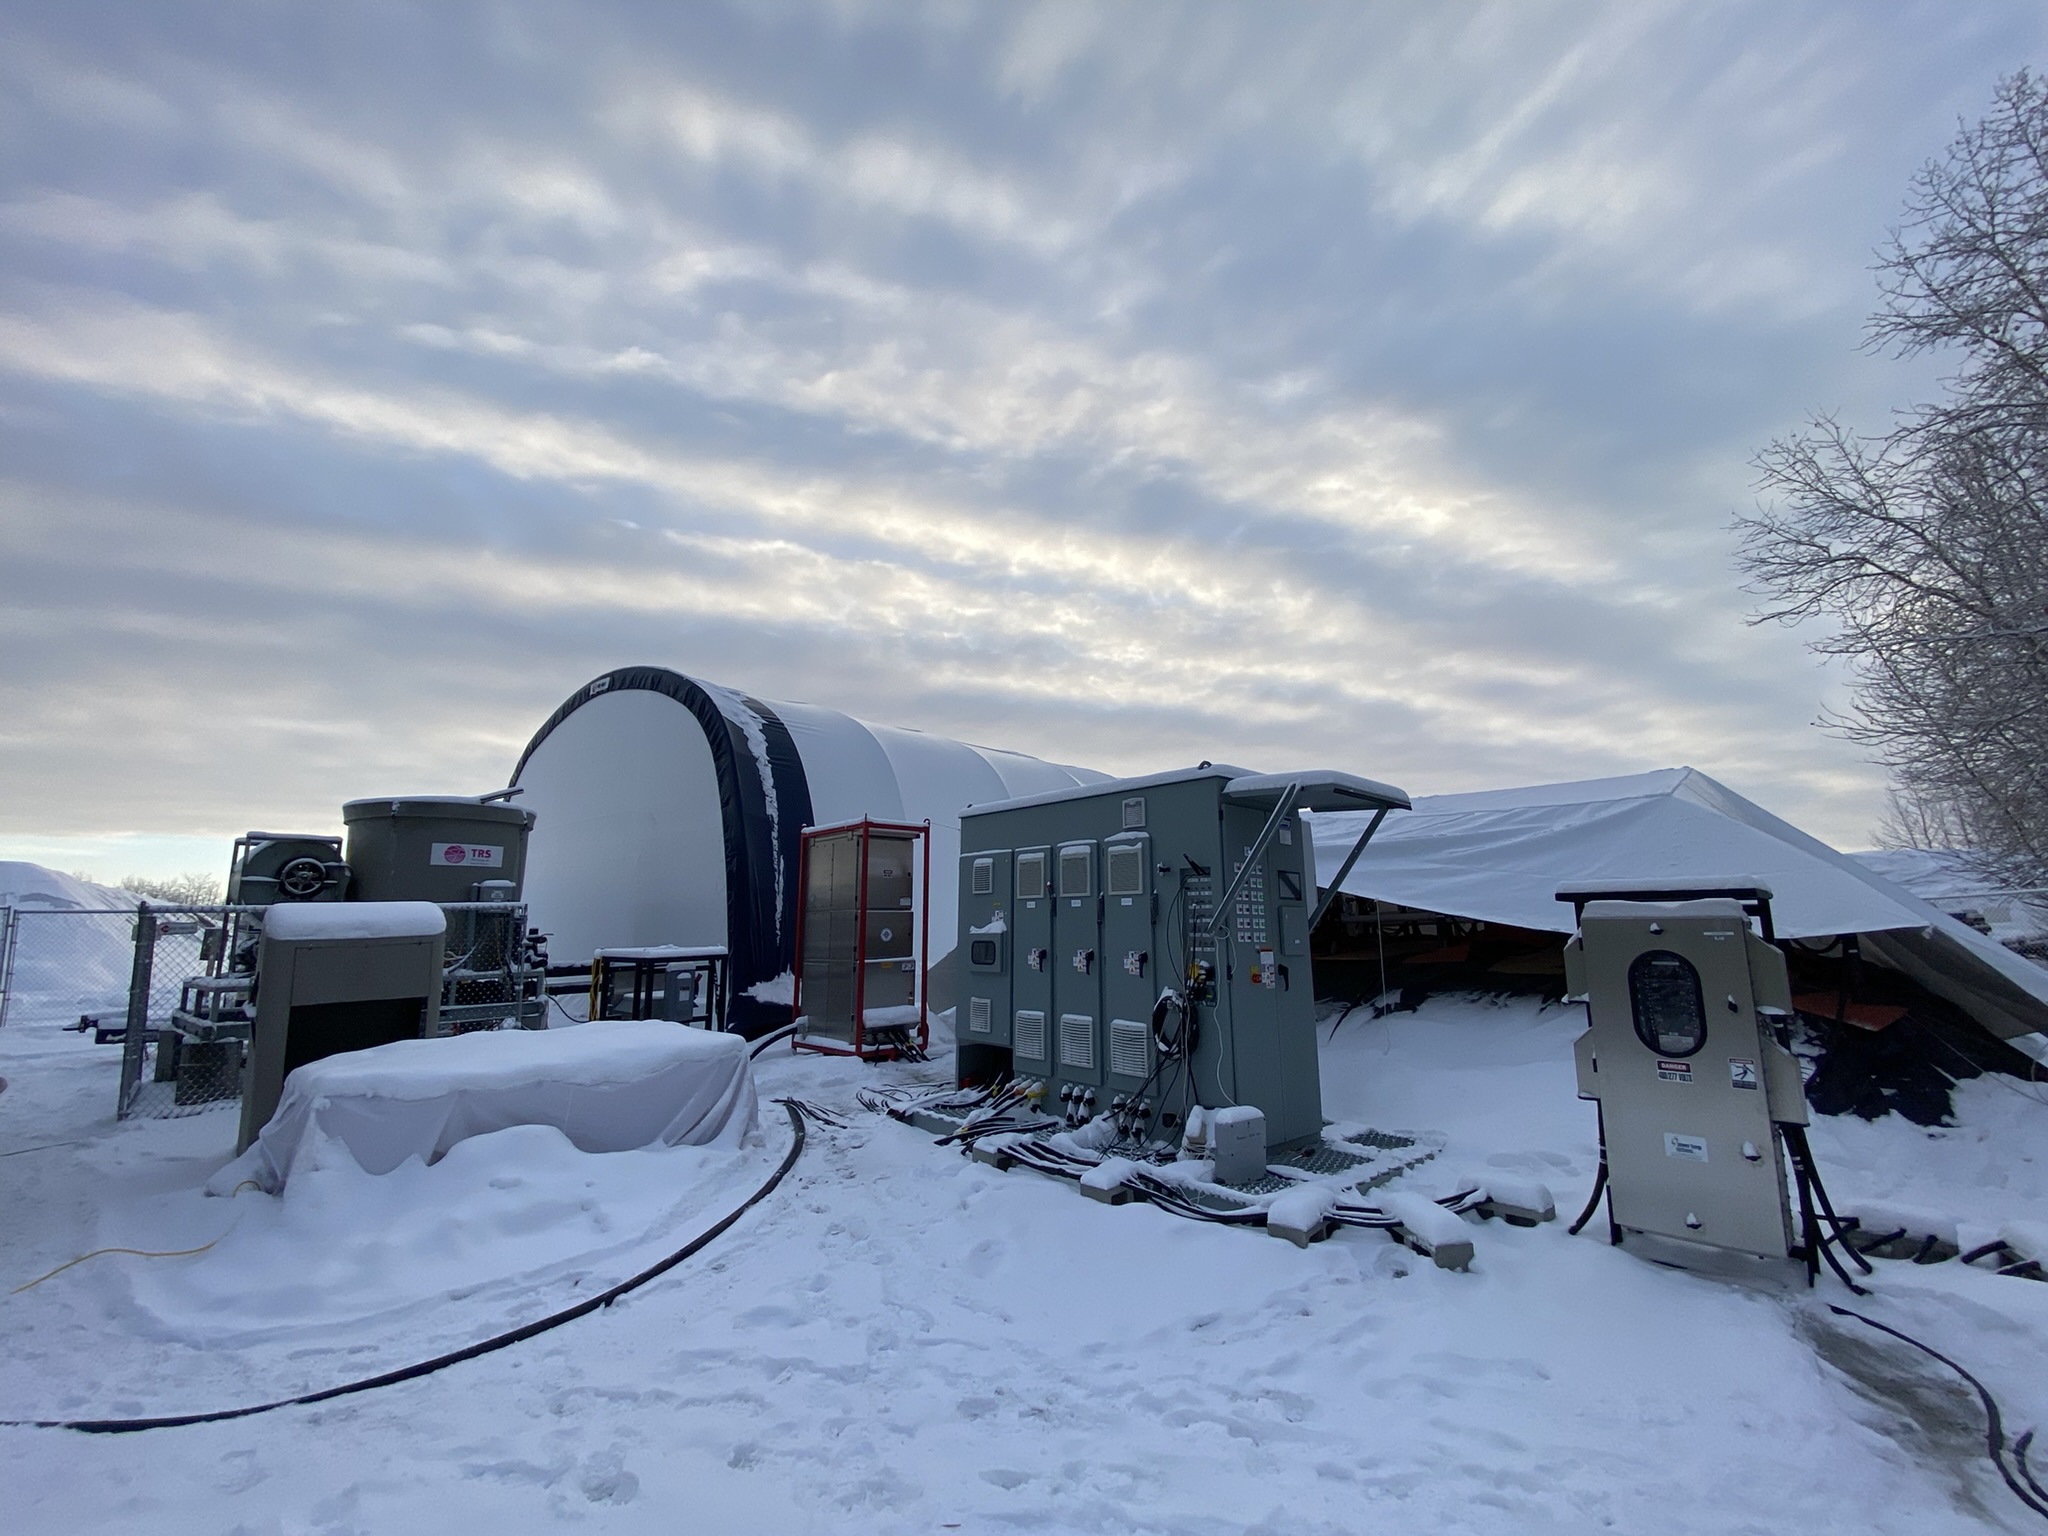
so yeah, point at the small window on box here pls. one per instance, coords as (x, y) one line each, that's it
(982, 952)
(1664, 997)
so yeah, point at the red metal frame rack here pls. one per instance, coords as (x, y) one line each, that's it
(861, 1043)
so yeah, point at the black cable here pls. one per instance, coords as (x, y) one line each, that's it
(1818, 1244)
(1802, 1150)
(2019, 1454)
(469, 1352)
(1341, 1018)
(1809, 1224)
(1994, 1432)
(1599, 1179)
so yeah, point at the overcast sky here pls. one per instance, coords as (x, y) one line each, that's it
(1367, 386)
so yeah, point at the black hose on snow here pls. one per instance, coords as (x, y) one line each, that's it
(1994, 1422)
(469, 1352)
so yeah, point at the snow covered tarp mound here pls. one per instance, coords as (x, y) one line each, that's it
(609, 1087)
(74, 946)
(1501, 855)
(47, 890)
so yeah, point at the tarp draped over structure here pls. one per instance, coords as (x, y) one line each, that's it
(1501, 855)
(609, 1086)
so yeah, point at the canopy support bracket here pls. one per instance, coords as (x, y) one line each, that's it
(1350, 859)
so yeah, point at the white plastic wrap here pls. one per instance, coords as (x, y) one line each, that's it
(608, 1087)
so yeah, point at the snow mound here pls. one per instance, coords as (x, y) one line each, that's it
(341, 1246)
(608, 1087)
(32, 886)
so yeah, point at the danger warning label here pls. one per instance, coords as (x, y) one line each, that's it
(1675, 1071)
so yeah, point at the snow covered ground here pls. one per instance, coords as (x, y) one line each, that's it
(901, 1340)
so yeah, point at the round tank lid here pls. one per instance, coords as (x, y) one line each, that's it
(440, 807)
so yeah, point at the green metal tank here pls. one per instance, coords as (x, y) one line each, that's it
(436, 847)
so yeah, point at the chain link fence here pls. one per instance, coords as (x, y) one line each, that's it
(172, 986)
(63, 964)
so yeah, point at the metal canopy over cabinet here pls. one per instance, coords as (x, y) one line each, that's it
(1144, 942)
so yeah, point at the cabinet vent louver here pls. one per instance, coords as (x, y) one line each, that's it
(1077, 1041)
(1028, 1037)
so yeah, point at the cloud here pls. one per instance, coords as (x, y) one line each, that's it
(1373, 387)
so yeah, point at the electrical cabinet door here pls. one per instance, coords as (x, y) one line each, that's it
(1681, 1063)
(1271, 998)
(1130, 971)
(984, 952)
(1031, 965)
(1291, 890)
(1246, 928)
(1077, 966)
(889, 971)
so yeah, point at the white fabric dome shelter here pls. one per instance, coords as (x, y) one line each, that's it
(671, 811)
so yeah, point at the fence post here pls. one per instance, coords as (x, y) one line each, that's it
(8, 924)
(135, 1037)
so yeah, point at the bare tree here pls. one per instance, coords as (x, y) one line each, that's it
(1926, 548)
(188, 890)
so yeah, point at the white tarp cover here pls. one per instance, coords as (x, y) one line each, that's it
(1501, 855)
(609, 1087)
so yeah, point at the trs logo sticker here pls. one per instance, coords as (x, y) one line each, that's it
(453, 855)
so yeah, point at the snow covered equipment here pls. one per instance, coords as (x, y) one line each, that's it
(1237, 1144)
(863, 939)
(1700, 1102)
(1139, 948)
(338, 976)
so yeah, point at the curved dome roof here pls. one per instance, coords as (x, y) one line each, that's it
(671, 810)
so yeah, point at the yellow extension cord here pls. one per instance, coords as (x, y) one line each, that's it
(140, 1253)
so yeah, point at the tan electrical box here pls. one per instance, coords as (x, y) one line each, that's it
(338, 976)
(1684, 1000)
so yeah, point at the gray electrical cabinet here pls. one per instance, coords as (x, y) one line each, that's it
(1092, 937)
(333, 977)
(436, 848)
(1683, 1000)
